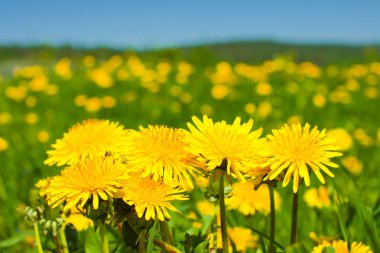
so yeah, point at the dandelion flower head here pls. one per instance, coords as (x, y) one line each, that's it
(151, 198)
(240, 147)
(89, 139)
(91, 178)
(295, 150)
(247, 200)
(340, 246)
(158, 151)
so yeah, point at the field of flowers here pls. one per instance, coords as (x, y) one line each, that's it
(142, 149)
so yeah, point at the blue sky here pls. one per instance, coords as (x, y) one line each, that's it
(140, 23)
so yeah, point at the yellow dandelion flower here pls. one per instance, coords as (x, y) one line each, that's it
(296, 150)
(151, 198)
(236, 143)
(206, 207)
(90, 138)
(342, 138)
(340, 246)
(43, 185)
(3, 144)
(242, 238)
(353, 165)
(92, 178)
(159, 151)
(247, 200)
(78, 220)
(317, 197)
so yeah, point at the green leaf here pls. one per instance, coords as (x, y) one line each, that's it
(92, 242)
(15, 239)
(152, 234)
(267, 237)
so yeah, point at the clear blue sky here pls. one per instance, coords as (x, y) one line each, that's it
(141, 23)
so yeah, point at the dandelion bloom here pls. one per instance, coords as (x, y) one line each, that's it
(247, 200)
(317, 197)
(151, 198)
(236, 144)
(159, 151)
(242, 238)
(91, 178)
(78, 220)
(89, 139)
(342, 247)
(295, 150)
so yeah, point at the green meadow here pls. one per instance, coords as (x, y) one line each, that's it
(44, 91)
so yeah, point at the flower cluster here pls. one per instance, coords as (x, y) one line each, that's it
(155, 165)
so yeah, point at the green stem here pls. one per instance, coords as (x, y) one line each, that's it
(165, 246)
(272, 246)
(142, 236)
(62, 234)
(166, 232)
(222, 210)
(293, 233)
(104, 238)
(37, 238)
(57, 245)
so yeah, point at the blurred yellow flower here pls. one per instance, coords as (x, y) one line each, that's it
(158, 151)
(317, 197)
(206, 109)
(295, 119)
(78, 220)
(91, 138)
(242, 238)
(206, 207)
(296, 150)
(16, 93)
(352, 164)
(6, 118)
(108, 102)
(319, 100)
(38, 83)
(151, 198)
(51, 89)
(90, 179)
(43, 136)
(247, 200)
(101, 77)
(340, 246)
(93, 104)
(264, 109)
(342, 138)
(80, 100)
(241, 148)
(31, 118)
(219, 91)
(264, 89)
(250, 108)
(371, 92)
(363, 138)
(30, 101)
(89, 61)
(3, 144)
(63, 68)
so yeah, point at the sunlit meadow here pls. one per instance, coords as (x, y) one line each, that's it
(130, 153)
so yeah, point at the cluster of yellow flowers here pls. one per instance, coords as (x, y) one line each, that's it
(155, 165)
